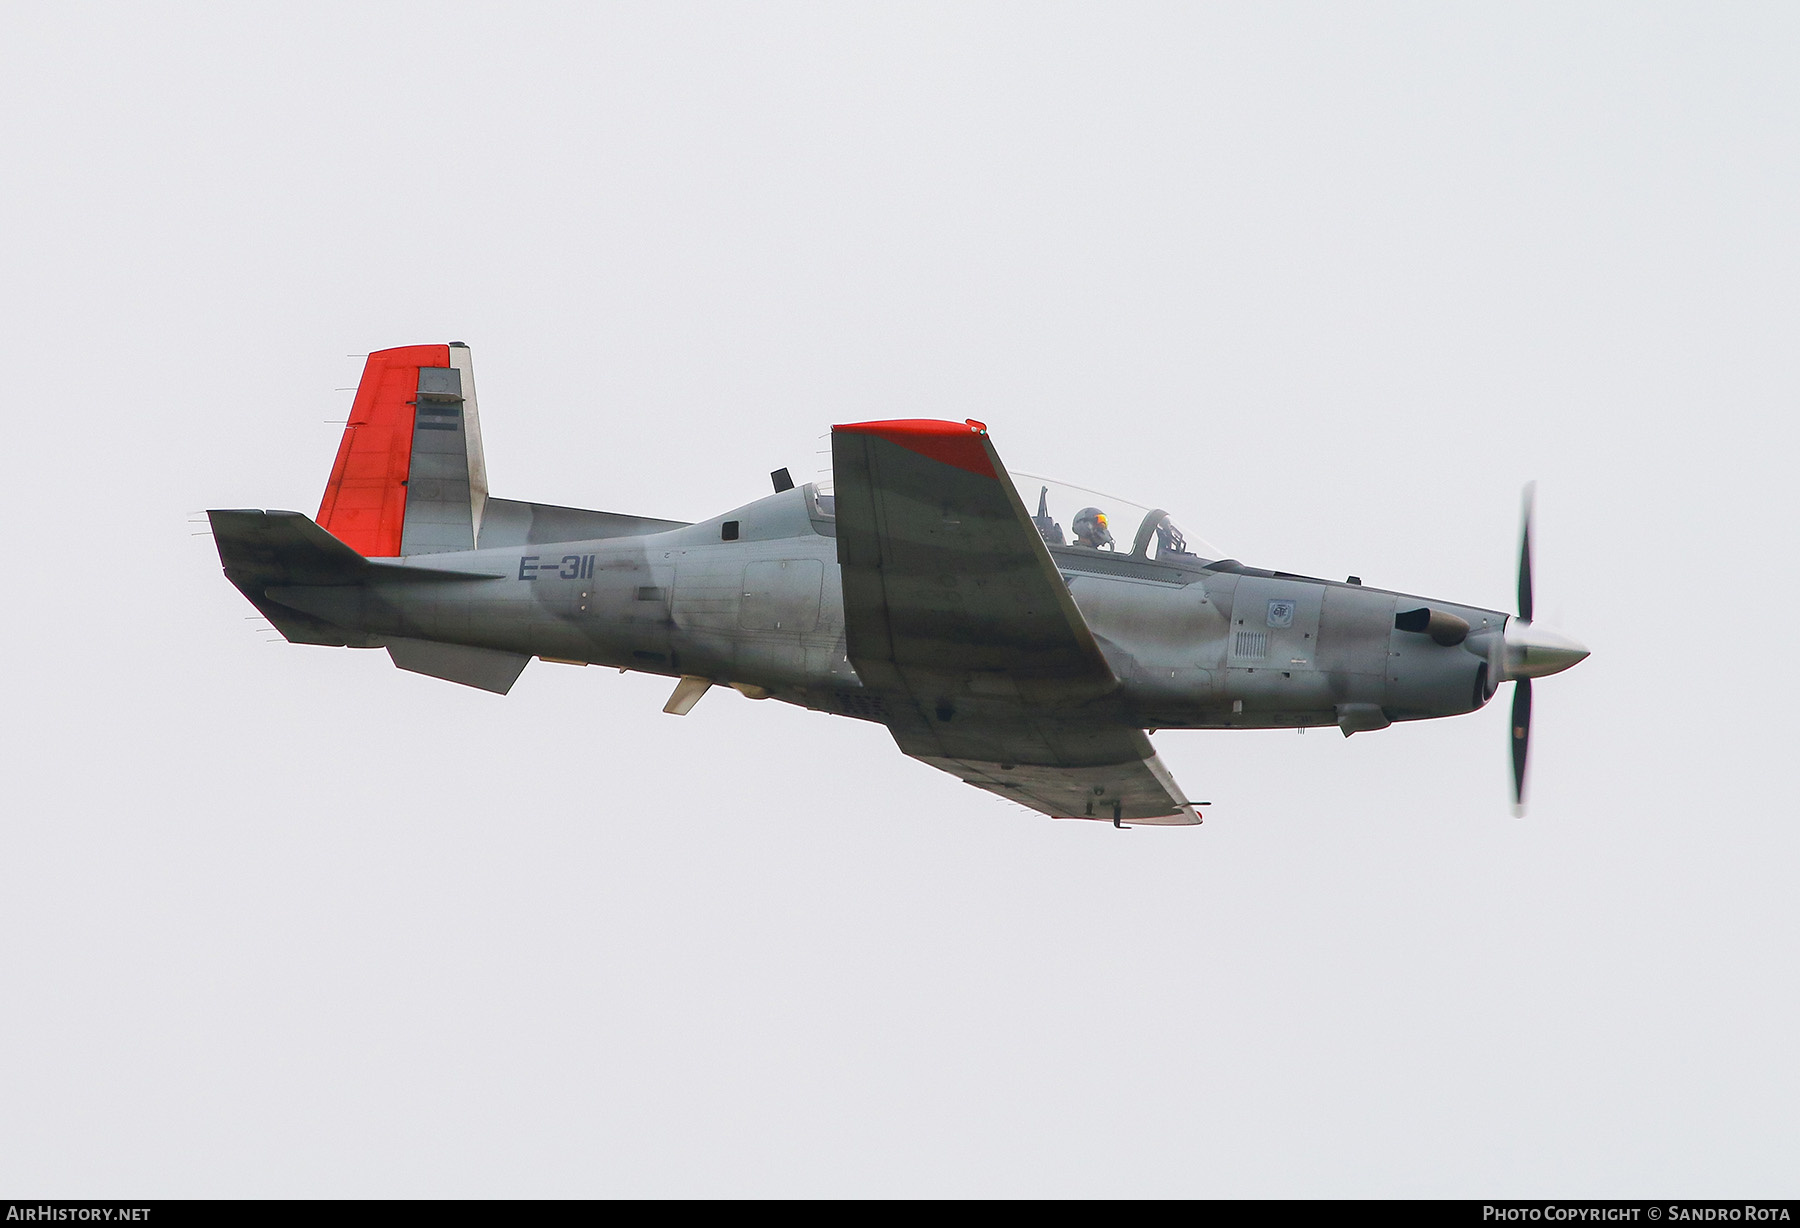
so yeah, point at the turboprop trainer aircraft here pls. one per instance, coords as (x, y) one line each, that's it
(922, 593)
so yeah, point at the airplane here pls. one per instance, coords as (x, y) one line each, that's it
(921, 593)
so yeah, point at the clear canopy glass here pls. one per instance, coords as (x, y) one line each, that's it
(1075, 516)
(1069, 515)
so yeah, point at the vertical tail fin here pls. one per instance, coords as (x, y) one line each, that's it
(409, 476)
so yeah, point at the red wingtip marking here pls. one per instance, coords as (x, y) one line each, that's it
(953, 443)
(365, 501)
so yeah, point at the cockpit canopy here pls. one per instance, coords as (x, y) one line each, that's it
(1068, 515)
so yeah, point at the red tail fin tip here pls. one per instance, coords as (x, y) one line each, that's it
(365, 501)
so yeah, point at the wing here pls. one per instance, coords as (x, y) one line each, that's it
(943, 571)
(955, 613)
(1139, 790)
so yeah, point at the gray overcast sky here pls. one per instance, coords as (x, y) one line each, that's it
(1330, 281)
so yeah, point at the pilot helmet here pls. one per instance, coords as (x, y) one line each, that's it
(1090, 528)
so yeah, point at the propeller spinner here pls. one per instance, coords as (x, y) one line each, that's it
(1525, 651)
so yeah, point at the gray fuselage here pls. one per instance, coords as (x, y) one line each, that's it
(753, 599)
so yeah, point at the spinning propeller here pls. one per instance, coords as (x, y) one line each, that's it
(1523, 651)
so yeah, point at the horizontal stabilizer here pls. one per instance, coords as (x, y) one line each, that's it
(302, 579)
(486, 668)
(275, 549)
(282, 548)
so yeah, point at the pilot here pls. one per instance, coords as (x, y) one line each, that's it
(1090, 528)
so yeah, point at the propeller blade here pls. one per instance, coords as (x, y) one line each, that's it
(1530, 500)
(1521, 740)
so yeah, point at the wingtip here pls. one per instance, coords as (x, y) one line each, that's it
(953, 443)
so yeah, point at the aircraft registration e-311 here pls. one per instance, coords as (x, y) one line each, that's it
(922, 593)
